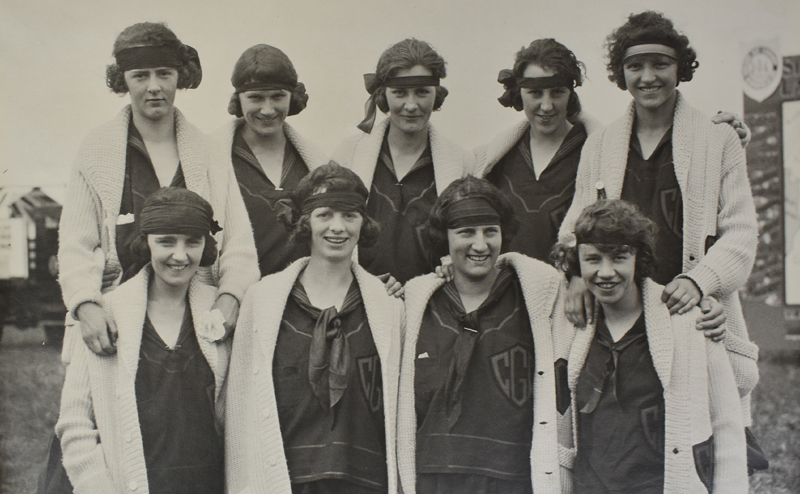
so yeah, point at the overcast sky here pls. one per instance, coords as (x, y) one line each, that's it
(53, 56)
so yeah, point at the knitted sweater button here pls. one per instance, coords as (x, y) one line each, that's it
(255, 370)
(265, 413)
(273, 460)
(128, 438)
(675, 451)
(132, 485)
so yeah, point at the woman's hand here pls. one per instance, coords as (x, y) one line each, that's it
(742, 130)
(110, 275)
(681, 295)
(445, 270)
(229, 306)
(97, 328)
(712, 322)
(393, 287)
(579, 305)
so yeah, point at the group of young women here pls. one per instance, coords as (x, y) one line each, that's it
(353, 367)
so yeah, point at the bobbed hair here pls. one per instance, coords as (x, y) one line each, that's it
(405, 55)
(612, 218)
(551, 55)
(154, 34)
(141, 251)
(648, 27)
(264, 63)
(331, 178)
(435, 232)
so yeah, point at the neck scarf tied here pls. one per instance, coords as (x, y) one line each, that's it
(329, 358)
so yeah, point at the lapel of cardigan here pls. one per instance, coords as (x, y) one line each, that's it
(447, 160)
(201, 299)
(271, 295)
(502, 144)
(105, 165)
(366, 154)
(378, 309)
(682, 142)
(312, 157)
(193, 155)
(659, 330)
(614, 156)
(129, 303)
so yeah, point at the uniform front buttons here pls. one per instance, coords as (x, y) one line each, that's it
(132, 485)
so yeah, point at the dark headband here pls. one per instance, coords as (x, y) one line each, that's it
(264, 86)
(148, 57)
(340, 201)
(600, 237)
(553, 81)
(167, 217)
(471, 211)
(372, 84)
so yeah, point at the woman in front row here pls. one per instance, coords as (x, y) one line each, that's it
(148, 418)
(656, 404)
(478, 411)
(312, 389)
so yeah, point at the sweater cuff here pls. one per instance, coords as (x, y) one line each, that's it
(566, 457)
(92, 484)
(706, 280)
(231, 290)
(82, 297)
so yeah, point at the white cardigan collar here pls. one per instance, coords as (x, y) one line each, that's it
(447, 157)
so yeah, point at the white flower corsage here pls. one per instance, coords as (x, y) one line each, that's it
(211, 325)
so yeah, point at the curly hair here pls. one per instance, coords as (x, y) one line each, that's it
(331, 178)
(435, 231)
(141, 250)
(550, 55)
(405, 55)
(154, 34)
(648, 27)
(612, 218)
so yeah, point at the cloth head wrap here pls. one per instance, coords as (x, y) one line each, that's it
(470, 211)
(512, 84)
(340, 201)
(650, 47)
(148, 57)
(373, 85)
(600, 237)
(263, 67)
(174, 210)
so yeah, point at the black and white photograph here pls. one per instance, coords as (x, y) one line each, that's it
(400, 246)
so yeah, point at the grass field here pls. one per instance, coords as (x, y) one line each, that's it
(30, 388)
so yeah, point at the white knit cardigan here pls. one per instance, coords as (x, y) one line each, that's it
(222, 145)
(552, 455)
(712, 173)
(87, 231)
(699, 392)
(99, 426)
(360, 153)
(488, 155)
(255, 461)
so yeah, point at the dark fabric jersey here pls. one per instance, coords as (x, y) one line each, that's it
(402, 208)
(540, 204)
(140, 181)
(175, 400)
(490, 439)
(260, 196)
(346, 442)
(620, 403)
(652, 185)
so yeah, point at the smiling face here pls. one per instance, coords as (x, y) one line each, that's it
(410, 108)
(175, 257)
(264, 111)
(152, 91)
(334, 234)
(609, 275)
(546, 109)
(651, 79)
(474, 250)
